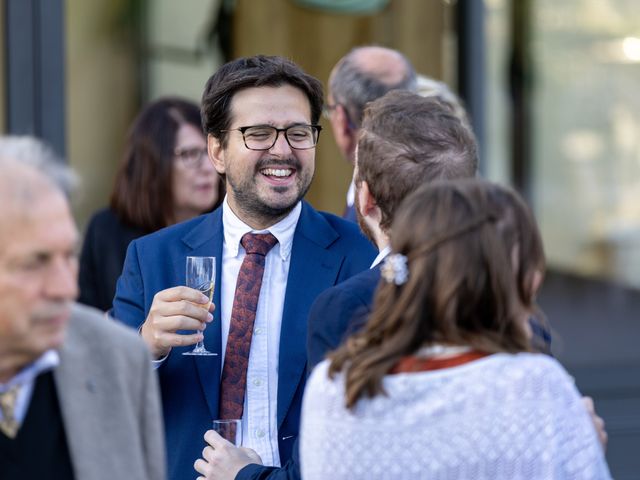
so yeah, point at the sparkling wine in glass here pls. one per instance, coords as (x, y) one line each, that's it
(201, 275)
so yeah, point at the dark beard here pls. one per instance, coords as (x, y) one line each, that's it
(252, 206)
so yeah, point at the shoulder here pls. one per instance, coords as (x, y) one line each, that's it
(348, 230)
(364, 282)
(177, 230)
(96, 330)
(319, 381)
(191, 232)
(324, 397)
(104, 220)
(534, 374)
(358, 289)
(105, 225)
(331, 227)
(539, 365)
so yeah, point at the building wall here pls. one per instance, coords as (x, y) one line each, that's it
(316, 40)
(101, 94)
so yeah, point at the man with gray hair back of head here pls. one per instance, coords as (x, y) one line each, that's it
(76, 388)
(31, 151)
(364, 75)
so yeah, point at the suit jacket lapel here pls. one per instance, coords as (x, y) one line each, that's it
(313, 268)
(206, 240)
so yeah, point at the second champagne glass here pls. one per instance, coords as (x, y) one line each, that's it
(230, 430)
(201, 275)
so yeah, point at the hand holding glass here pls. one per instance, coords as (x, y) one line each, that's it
(201, 276)
(230, 430)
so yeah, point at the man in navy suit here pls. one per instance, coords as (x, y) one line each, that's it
(405, 141)
(260, 115)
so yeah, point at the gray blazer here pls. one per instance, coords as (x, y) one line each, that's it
(109, 400)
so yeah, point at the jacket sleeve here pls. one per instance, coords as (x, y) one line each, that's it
(128, 304)
(289, 471)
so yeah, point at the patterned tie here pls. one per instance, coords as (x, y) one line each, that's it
(9, 425)
(243, 314)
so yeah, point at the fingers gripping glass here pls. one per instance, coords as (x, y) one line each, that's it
(201, 275)
(264, 137)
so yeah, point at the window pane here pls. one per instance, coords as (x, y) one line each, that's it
(586, 136)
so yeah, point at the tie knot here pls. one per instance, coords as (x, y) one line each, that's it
(259, 243)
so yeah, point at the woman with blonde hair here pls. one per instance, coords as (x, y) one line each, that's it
(442, 382)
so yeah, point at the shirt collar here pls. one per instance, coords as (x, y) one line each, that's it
(234, 229)
(381, 256)
(47, 361)
(351, 194)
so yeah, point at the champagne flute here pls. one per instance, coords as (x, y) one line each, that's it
(230, 430)
(201, 275)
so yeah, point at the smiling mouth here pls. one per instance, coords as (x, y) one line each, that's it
(277, 172)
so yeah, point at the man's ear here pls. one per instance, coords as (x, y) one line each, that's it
(343, 132)
(343, 120)
(216, 153)
(366, 202)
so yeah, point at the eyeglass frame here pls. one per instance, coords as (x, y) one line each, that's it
(181, 153)
(318, 129)
(329, 108)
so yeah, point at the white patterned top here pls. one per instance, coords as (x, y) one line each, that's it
(501, 417)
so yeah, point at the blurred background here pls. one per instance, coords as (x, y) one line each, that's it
(550, 87)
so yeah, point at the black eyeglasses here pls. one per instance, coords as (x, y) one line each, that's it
(264, 137)
(192, 157)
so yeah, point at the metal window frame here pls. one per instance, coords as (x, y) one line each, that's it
(35, 70)
(470, 29)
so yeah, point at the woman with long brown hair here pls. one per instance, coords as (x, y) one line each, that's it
(165, 177)
(441, 383)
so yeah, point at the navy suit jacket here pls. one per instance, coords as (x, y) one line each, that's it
(338, 312)
(326, 250)
(334, 315)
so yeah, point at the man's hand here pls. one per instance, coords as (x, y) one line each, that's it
(221, 460)
(598, 422)
(177, 308)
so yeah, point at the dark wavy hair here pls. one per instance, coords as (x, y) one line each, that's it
(466, 242)
(142, 194)
(250, 72)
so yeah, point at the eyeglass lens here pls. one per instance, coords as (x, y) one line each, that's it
(264, 137)
(191, 157)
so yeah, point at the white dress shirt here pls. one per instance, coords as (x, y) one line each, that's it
(26, 379)
(381, 256)
(351, 194)
(259, 422)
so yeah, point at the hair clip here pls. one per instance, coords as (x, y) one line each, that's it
(394, 269)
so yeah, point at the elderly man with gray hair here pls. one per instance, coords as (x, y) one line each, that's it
(78, 396)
